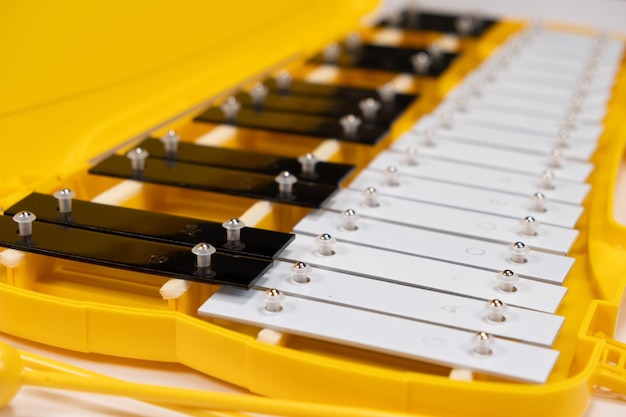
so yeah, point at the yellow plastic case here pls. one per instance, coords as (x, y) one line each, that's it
(84, 79)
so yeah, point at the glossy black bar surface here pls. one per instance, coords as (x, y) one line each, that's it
(386, 58)
(131, 254)
(299, 124)
(325, 172)
(436, 22)
(151, 225)
(226, 181)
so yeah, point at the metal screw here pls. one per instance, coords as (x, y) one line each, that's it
(64, 198)
(258, 94)
(369, 107)
(421, 63)
(539, 202)
(387, 93)
(410, 156)
(307, 163)
(331, 53)
(547, 180)
(24, 220)
(392, 176)
(283, 81)
(354, 42)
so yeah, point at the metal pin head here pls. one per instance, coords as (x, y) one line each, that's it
(349, 217)
(461, 102)
(529, 226)
(170, 141)
(476, 87)
(203, 252)
(285, 181)
(519, 250)
(464, 25)
(547, 180)
(325, 244)
(369, 107)
(258, 93)
(387, 93)
(283, 81)
(445, 118)
(307, 164)
(496, 310)
(429, 136)
(562, 138)
(273, 299)
(230, 107)
(411, 156)
(300, 272)
(421, 63)
(354, 42)
(392, 176)
(350, 124)
(137, 158)
(482, 344)
(24, 220)
(539, 202)
(331, 53)
(435, 50)
(370, 197)
(555, 158)
(507, 280)
(570, 119)
(64, 198)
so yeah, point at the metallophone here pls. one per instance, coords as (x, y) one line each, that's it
(454, 238)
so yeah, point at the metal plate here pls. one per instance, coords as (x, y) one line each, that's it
(151, 225)
(299, 124)
(241, 160)
(131, 254)
(244, 184)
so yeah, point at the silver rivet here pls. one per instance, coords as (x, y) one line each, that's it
(230, 107)
(285, 182)
(170, 142)
(137, 158)
(421, 63)
(350, 124)
(570, 119)
(476, 87)
(64, 198)
(307, 164)
(392, 177)
(283, 81)
(387, 93)
(300, 273)
(370, 197)
(577, 101)
(495, 310)
(482, 344)
(529, 226)
(325, 244)
(369, 107)
(258, 93)
(547, 180)
(445, 119)
(507, 280)
(518, 250)
(349, 218)
(331, 53)
(203, 252)
(273, 298)
(555, 158)
(24, 220)
(354, 42)
(233, 228)
(539, 202)
(411, 156)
